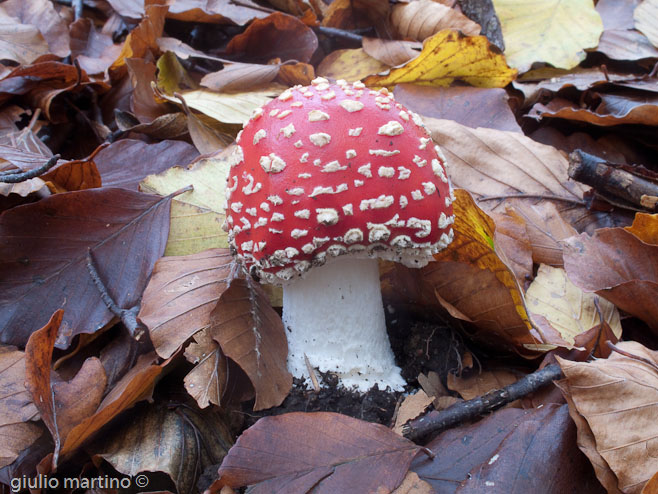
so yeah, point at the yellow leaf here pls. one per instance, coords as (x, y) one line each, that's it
(197, 215)
(565, 306)
(448, 56)
(351, 65)
(474, 283)
(551, 31)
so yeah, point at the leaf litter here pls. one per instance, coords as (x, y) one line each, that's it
(541, 265)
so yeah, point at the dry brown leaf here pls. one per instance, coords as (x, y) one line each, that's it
(251, 334)
(619, 44)
(479, 383)
(474, 284)
(320, 452)
(389, 51)
(617, 397)
(645, 16)
(181, 295)
(489, 162)
(412, 484)
(511, 238)
(42, 15)
(178, 441)
(645, 227)
(15, 400)
(240, 76)
(420, 19)
(16, 438)
(22, 43)
(618, 266)
(411, 407)
(470, 106)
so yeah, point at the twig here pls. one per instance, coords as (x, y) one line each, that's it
(78, 6)
(615, 348)
(128, 316)
(18, 177)
(435, 422)
(609, 179)
(550, 197)
(339, 33)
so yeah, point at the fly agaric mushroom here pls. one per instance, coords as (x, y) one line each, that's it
(326, 179)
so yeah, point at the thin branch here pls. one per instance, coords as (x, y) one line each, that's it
(435, 422)
(549, 197)
(339, 33)
(18, 177)
(128, 316)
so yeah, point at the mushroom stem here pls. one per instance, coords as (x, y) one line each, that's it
(335, 316)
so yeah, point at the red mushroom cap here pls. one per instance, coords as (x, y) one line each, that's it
(333, 169)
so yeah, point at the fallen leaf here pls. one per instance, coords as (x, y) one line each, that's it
(42, 15)
(390, 52)
(231, 108)
(617, 396)
(512, 450)
(448, 56)
(94, 51)
(178, 441)
(617, 265)
(489, 162)
(644, 15)
(567, 308)
(620, 44)
(196, 216)
(474, 284)
(118, 171)
(62, 405)
(350, 65)
(512, 239)
(617, 14)
(240, 76)
(645, 227)
(553, 31)
(277, 35)
(181, 295)
(411, 407)
(15, 400)
(251, 334)
(480, 383)
(15, 439)
(320, 452)
(22, 43)
(421, 19)
(413, 484)
(43, 257)
(470, 106)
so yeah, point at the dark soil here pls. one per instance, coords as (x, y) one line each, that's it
(419, 347)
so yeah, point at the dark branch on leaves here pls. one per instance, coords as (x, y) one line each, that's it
(549, 197)
(18, 177)
(339, 33)
(128, 316)
(435, 422)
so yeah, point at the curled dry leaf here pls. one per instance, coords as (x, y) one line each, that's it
(489, 162)
(449, 56)
(421, 19)
(22, 43)
(180, 442)
(251, 334)
(617, 265)
(43, 251)
(566, 307)
(411, 407)
(512, 450)
(512, 239)
(277, 35)
(474, 284)
(617, 398)
(321, 452)
(240, 76)
(645, 227)
(181, 295)
(62, 405)
(552, 31)
(94, 51)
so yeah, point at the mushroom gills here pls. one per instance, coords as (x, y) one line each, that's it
(335, 316)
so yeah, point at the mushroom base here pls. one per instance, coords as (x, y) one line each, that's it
(335, 316)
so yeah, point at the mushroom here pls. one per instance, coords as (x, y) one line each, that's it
(325, 180)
